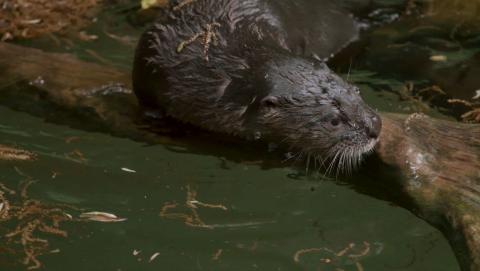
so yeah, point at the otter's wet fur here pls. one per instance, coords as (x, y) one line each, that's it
(249, 74)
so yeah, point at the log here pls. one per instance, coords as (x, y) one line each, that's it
(76, 90)
(429, 166)
(439, 165)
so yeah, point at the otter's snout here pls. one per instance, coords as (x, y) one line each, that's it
(373, 126)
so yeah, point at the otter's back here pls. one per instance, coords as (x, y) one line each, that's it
(197, 64)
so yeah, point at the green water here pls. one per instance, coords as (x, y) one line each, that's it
(270, 214)
(269, 217)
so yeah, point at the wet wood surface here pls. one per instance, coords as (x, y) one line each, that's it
(439, 162)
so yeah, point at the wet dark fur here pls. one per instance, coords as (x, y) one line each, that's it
(258, 81)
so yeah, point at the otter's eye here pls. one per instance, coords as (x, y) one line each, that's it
(335, 122)
(270, 101)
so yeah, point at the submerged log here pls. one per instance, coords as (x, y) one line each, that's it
(436, 162)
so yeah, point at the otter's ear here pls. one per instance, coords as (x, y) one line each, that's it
(269, 101)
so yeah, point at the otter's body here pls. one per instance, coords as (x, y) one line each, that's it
(239, 67)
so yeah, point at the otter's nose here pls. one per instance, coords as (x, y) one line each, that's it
(374, 127)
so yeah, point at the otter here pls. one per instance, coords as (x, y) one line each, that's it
(244, 68)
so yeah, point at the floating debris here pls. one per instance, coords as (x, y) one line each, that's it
(335, 259)
(467, 111)
(345, 250)
(6, 36)
(82, 35)
(71, 139)
(194, 204)
(15, 154)
(55, 174)
(362, 253)
(101, 217)
(128, 170)
(77, 156)
(438, 58)
(359, 266)
(459, 101)
(472, 116)
(477, 95)
(406, 93)
(193, 219)
(433, 89)
(3, 188)
(299, 253)
(217, 255)
(136, 252)
(155, 255)
(30, 219)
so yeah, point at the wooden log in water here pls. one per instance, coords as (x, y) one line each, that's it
(438, 161)
(73, 88)
(60, 72)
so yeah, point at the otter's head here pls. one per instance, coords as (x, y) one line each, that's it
(320, 115)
